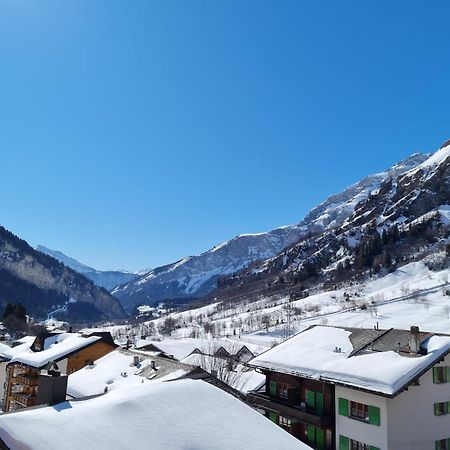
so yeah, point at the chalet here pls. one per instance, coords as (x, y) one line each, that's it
(39, 376)
(364, 389)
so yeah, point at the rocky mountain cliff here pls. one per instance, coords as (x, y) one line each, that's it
(196, 276)
(107, 279)
(43, 284)
(406, 218)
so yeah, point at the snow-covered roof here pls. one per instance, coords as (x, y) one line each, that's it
(181, 348)
(368, 365)
(117, 370)
(240, 378)
(176, 415)
(114, 370)
(10, 352)
(64, 345)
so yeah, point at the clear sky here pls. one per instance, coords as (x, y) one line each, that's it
(133, 133)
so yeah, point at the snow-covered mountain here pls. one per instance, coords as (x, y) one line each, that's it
(403, 218)
(108, 279)
(196, 276)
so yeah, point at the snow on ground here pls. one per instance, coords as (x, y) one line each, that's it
(430, 310)
(176, 415)
(312, 353)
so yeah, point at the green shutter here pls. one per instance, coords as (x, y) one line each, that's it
(311, 399)
(343, 407)
(373, 448)
(311, 432)
(447, 374)
(273, 388)
(437, 411)
(343, 442)
(273, 416)
(320, 439)
(319, 403)
(374, 415)
(435, 375)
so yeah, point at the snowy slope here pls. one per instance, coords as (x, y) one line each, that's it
(108, 279)
(197, 275)
(405, 216)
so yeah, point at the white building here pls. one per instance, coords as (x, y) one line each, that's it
(360, 389)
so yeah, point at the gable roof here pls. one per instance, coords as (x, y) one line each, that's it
(377, 361)
(155, 416)
(66, 345)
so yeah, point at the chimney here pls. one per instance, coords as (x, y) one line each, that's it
(414, 340)
(153, 365)
(135, 360)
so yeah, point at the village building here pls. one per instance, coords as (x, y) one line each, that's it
(38, 374)
(359, 389)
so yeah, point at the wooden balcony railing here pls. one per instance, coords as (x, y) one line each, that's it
(27, 381)
(24, 399)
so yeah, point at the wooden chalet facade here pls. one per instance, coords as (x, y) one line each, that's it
(303, 407)
(34, 382)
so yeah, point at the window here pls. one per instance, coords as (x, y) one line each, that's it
(359, 411)
(443, 444)
(441, 408)
(346, 443)
(283, 390)
(285, 422)
(356, 445)
(441, 374)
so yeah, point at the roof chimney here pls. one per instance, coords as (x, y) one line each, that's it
(414, 340)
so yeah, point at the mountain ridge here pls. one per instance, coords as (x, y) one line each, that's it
(196, 276)
(107, 279)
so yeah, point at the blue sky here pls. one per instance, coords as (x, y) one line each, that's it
(135, 133)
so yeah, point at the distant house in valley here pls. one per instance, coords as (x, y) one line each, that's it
(38, 374)
(351, 388)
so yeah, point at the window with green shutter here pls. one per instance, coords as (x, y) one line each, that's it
(311, 433)
(374, 415)
(343, 407)
(344, 442)
(441, 408)
(273, 416)
(441, 374)
(273, 388)
(443, 444)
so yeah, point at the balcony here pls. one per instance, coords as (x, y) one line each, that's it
(27, 380)
(287, 409)
(24, 399)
